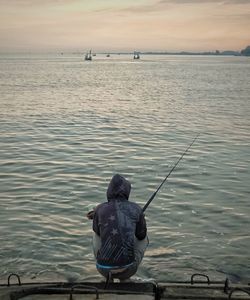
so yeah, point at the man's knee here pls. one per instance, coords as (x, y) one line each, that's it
(140, 248)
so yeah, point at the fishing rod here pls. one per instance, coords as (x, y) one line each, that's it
(154, 194)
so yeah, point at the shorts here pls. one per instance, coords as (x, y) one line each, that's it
(122, 273)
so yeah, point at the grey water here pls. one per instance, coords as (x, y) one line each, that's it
(68, 125)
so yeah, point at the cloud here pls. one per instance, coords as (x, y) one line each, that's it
(237, 2)
(162, 5)
(144, 8)
(34, 3)
(204, 1)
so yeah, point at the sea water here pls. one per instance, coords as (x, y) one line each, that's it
(67, 125)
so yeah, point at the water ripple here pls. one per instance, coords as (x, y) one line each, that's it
(67, 127)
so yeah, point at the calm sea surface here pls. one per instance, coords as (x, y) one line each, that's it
(68, 125)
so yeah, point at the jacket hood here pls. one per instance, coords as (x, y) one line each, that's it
(119, 188)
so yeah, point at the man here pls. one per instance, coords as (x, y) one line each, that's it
(120, 232)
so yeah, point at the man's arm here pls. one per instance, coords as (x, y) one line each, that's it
(90, 214)
(141, 228)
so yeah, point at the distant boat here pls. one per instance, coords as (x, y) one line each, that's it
(88, 56)
(136, 55)
(108, 55)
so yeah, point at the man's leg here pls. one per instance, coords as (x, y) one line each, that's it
(96, 246)
(140, 248)
(96, 243)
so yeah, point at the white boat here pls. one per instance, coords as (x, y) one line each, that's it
(136, 55)
(88, 56)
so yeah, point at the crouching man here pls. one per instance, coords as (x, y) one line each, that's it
(120, 232)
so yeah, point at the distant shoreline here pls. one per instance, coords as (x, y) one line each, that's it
(245, 52)
(234, 53)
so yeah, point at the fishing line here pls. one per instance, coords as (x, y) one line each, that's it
(154, 194)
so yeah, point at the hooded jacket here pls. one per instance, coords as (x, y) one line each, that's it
(118, 222)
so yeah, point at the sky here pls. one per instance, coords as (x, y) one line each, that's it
(124, 25)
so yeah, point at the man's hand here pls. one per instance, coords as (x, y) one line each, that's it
(90, 215)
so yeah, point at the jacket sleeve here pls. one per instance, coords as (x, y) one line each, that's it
(141, 228)
(95, 224)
